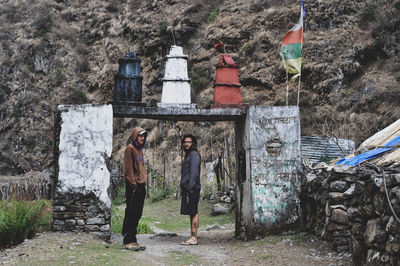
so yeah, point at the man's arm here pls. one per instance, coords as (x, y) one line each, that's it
(194, 169)
(128, 166)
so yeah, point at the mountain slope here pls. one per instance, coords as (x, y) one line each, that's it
(56, 52)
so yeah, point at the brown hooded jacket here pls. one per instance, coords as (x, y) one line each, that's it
(135, 170)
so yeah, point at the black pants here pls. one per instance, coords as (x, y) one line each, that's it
(133, 212)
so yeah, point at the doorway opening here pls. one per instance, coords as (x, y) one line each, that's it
(218, 146)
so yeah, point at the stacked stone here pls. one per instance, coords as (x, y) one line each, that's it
(226, 202)
(83, 214)
(33, 186)
(348, 207)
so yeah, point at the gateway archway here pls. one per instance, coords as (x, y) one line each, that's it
(267, 152)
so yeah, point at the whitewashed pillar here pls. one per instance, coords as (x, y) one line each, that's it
(81, 200)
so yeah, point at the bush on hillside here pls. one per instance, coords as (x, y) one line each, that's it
(200, 79)
(22, 219)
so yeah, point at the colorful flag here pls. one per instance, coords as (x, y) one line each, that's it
(292, 46)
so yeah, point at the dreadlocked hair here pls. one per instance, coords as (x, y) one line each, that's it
(194, 142)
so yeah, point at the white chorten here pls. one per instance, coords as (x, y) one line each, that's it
(176, 82)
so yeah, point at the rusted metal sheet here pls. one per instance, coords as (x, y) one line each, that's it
(319, 148)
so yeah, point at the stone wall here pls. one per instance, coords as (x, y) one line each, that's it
(82, 197)
(348, 207)
(30, 186)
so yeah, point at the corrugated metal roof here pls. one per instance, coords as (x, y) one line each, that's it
(318, 148)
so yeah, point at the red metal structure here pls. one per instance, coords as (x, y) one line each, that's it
(227, 86)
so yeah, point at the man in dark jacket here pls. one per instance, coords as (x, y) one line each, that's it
(190, 185)
(135, 188)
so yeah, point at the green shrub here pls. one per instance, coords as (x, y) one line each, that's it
(120, 197)
(372, 15)
(83, 64)
(158, 194)
(199, 79)
(368, 12)
(20, 220)
(163, 26)
(43, 22)
(157, 179)
(28, 62)
(47, 146)
(14, 13)
(77, 96)
(207, 190)
(4, 92)
(248, 48)
(144, 228)
(212, 15)
(325, 159)
(58, 78)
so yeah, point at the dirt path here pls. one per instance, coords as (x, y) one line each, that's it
(216, 247)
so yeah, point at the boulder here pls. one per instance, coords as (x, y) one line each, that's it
(373, 257)
(372, 231)
(340, 216)
(219, 209)
(311, 177)
(339, 186)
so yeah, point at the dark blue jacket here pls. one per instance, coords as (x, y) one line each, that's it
(190, 175)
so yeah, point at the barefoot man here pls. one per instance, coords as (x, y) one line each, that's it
(190, 185)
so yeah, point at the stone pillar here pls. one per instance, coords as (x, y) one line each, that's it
(81, 200)
(268, 195)
(176, 82)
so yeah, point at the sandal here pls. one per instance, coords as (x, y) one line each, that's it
(188, 243)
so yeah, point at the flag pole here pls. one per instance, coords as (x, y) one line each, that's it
(287, 77)
(173, 36)
(298, 91)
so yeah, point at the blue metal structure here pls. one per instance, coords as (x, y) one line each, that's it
(128, 82)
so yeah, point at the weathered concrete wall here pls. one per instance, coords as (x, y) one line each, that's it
(273, 164)
(81, 198)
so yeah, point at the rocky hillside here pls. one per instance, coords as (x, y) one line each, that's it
(58, 52)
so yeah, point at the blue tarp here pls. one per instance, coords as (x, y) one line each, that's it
(356, 160)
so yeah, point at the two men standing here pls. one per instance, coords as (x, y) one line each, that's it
(135, 193)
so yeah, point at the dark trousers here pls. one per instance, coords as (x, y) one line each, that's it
(133, 212)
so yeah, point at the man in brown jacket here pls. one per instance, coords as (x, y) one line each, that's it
(135, 188)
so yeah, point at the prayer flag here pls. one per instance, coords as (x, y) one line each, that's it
(292, 46)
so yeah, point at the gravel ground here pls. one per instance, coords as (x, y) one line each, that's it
(217, 246)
